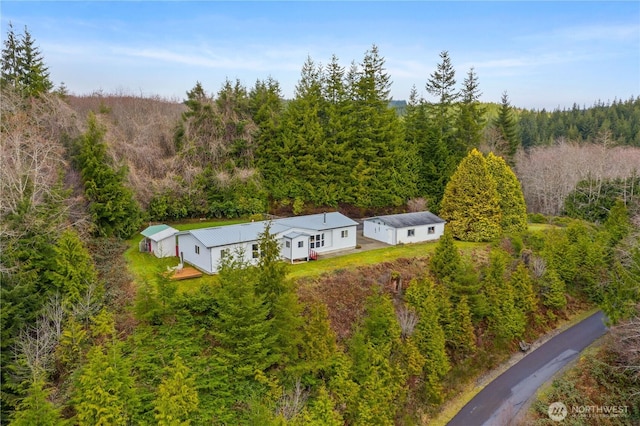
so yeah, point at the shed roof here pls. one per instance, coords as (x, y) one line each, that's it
(405, 220)
(159, 232)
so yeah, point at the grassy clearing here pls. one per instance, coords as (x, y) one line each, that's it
(145, 267)
(370, 257)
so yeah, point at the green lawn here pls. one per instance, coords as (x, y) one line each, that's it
(369, 257)
(146, 267)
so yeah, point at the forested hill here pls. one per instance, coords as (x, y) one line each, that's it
(616, 123)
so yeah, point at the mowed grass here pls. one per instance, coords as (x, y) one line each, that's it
(370, 257)
(146, 267)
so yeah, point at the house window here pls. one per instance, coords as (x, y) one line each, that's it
(287, 244)
(431, 230)
(197, 249)
(224, 253)
(345, 233)
(411, 232)
(300, 244)
(255, 251)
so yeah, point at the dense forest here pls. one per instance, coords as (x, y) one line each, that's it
(86, 342)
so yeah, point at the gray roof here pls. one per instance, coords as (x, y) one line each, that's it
(318, 222)
(245, 232)
(233, 234)
(292, 235)
(406, 220)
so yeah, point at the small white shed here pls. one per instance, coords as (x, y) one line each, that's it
(159, 240)
(404, 228)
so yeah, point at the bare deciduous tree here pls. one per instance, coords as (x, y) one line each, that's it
(292, 402)
(407, 318)
(549, 173)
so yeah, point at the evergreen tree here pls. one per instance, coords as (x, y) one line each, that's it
(432, 153)
(437, 145)
(505, 320)
(379, 392)
(446, 263)
(304, 150)
(35, 74)
(321, 411)
(177, 396)
(622, 292)
(384, 171)
(111, 203)
(510, 196)
(265, 104)
(36, 409)
(553, 289)
(470, 119)
(441, 85)
(526, 300)
(463, 339)
(379, 377)
(23, 66)
(339, 128)
(471, 205)
(618, 224)
(11, 66)
(242, 328)
(280, 298)
(318, 342)
(72, 344)
(104, 392)
(73, 271)
(429, 336)
(507, 124)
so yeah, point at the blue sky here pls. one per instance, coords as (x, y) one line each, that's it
(544, 54)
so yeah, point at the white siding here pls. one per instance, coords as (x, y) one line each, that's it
(421, 233)
(297, 252)
(164, 248)
(187, 244)
(335, 241)
(377, 230)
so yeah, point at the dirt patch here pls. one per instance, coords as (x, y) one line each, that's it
(345, 291)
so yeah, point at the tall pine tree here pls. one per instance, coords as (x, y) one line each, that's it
(507, 125)
(114, 210)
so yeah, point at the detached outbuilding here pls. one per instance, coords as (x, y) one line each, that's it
(404, 228)
(159, 240)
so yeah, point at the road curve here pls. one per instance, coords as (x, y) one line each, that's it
(501, 399)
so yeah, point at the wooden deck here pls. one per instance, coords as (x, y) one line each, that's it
(186, 273)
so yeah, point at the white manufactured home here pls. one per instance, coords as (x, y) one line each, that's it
(160, 240)
(404, 228)
(300, 238)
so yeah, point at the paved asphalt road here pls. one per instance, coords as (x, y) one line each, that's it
(501, 399)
